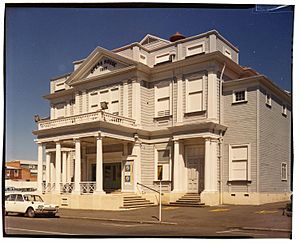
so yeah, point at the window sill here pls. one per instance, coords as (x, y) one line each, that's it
(268, 105)
(234, 181)
(162, 117)
(192, 55)
(194, 113)
(162, 181)
(239, 102)
(161, 63)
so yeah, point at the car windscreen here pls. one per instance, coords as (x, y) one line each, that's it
(33, 198)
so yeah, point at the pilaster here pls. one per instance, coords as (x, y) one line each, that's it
(40, 167)
(77, 176)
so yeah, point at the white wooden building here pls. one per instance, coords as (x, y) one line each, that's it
(181, 110)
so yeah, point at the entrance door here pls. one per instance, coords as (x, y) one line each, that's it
(112, 176)
(193, 175)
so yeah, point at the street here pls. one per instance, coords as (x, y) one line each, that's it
(264, 221)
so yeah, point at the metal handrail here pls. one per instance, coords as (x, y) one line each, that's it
(148, 187)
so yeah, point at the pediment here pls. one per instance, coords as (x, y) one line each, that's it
(99, 62)
(149, 39)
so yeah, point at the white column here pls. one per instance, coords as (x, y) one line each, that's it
(210, 167)
(52, 170)
(83, 162)
(176, 178)
(137, 163)
(57, 167)
(99, 166)
(40, 167)
(48, 159)
(77, 176)
(69, 167)
(64, 167)
(212, 95)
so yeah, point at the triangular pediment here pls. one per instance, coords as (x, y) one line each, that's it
(149, 39)
(99, 62)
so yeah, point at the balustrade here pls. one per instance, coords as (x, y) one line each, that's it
(85, 118)
(87, 187)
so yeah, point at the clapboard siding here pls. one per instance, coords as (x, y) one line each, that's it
(130, 99)
(241, 120)
(220, 47)
(274, 141)
(147, 164)
(147, 107)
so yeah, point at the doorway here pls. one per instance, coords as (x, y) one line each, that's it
(111, 177)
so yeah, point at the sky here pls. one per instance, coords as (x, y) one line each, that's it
(42, 43)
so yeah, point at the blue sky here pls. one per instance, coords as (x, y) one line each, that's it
(41, 43)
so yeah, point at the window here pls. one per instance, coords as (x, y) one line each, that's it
(162, 58)
(195, 49)
(93, 101)
(163, 164)
(111, 96)
(194, 95)
(283, 171)
(239, 96)
(60, 110)
(16, 173)
(11, 197)
(239, 162)
(143, 59)
(284, 112)
(268, 100)
(227, 52)
(19, 198)
(162, 93)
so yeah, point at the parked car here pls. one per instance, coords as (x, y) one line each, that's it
(29, 204)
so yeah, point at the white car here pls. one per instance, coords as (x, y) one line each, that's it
(28, 203)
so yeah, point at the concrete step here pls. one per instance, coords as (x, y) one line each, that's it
(132, 203)
(187, 205)
(138, 206)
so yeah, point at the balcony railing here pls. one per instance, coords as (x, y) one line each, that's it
(85, 118)
(87, 187)
(66, 188)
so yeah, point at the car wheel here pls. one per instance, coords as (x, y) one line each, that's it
(30, 212)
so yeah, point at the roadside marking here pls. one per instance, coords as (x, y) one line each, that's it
(169, 208)
(266, 211)
(237, 231)
(219, 210)
(125, 225)
(38, 231)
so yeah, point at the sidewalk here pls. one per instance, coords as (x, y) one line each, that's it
(263, 216)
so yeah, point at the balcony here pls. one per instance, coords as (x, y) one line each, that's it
(86, 118)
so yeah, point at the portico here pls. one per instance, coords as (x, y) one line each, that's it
(86, 164)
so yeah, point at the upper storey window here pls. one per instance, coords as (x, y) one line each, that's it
(110, 96)
(59, 86)
(162, 94)
(162, 58)
(198, 48)
(194, 95)
(60, 110)
(227, 52)
(239, 96)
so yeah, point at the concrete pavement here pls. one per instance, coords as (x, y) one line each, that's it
(268, 216)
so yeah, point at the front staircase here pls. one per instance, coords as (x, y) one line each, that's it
(188, 200)
(135, 201)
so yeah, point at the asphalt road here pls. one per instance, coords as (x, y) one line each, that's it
(61, 227)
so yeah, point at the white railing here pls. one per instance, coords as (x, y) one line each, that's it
(85, 118)
(66, 187)
(87, 187)
(49, 187)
